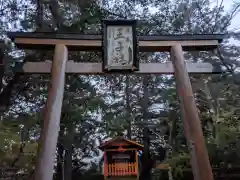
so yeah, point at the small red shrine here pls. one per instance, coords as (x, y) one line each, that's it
(121, 158)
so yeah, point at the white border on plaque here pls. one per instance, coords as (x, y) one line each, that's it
(120, 47)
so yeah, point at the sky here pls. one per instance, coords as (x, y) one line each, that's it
(235, 25)
(228, 5)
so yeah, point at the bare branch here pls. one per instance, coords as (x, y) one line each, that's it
(216, 16)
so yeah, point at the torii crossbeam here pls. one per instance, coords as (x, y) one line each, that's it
(175, 44)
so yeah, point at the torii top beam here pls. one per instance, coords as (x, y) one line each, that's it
(163, 43)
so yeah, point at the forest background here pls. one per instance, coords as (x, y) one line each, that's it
(95, 108)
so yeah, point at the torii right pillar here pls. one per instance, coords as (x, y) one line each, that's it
(192, 126)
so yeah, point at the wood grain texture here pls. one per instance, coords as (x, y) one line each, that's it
(74, 41)
(96, 68)
(77, 36)
(199, 156)
(49, 135)
(96, 45)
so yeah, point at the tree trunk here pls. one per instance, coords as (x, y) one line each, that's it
(60, 151)
(213, 111)
(39, 20)
(129, 129)
(171, 147)
(146, 171)
(68, 153)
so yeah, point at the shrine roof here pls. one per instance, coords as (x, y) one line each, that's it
(117, 139)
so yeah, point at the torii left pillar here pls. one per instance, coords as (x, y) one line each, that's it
(49, 135)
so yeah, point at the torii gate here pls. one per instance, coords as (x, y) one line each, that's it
(175, 44)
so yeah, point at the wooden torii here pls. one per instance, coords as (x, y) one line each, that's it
(62, 43)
